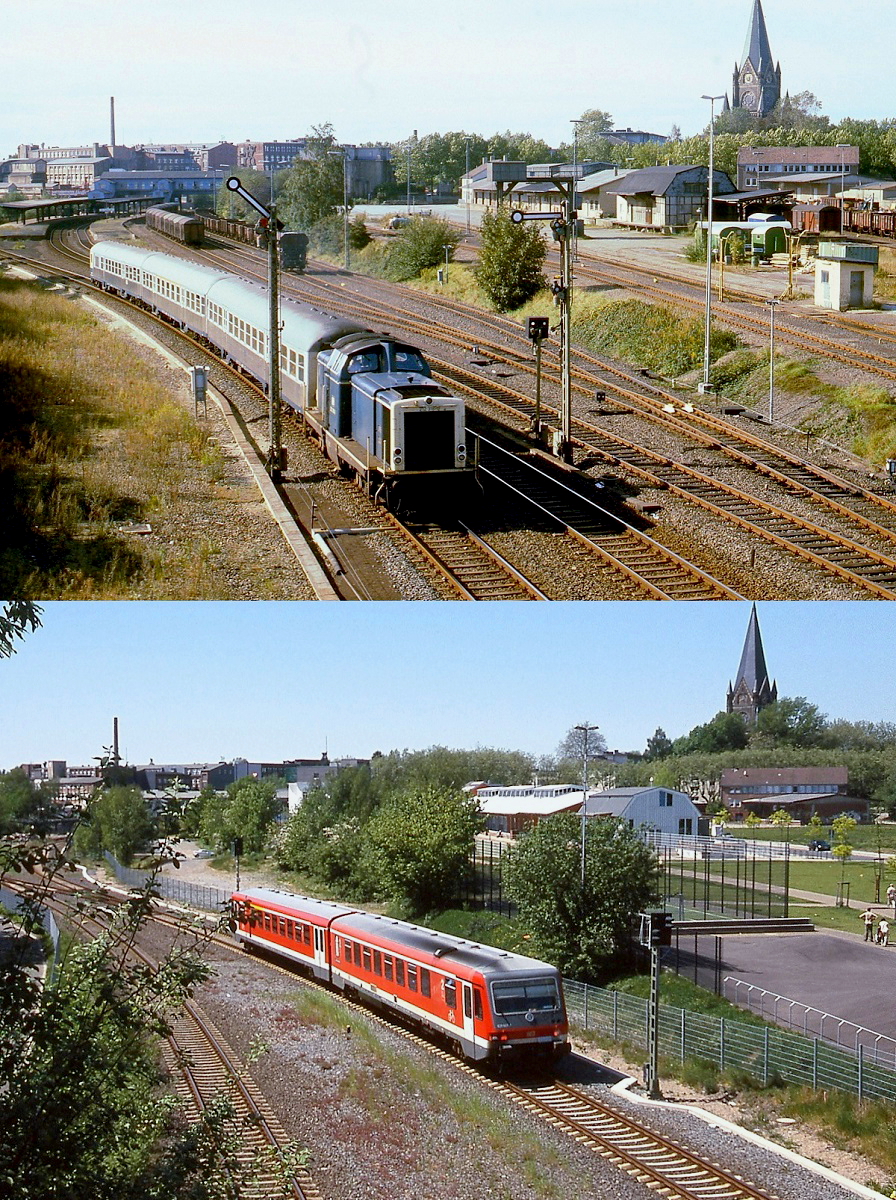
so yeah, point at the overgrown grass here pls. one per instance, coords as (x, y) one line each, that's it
(90, 439)
(648, 335)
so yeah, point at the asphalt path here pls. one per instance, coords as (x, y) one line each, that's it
(833, 972)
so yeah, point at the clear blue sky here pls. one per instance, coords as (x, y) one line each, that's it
(211, 69)
(196, 682)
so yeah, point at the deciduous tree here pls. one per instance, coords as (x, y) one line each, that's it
(511, 260)
(586, 931)
(419, 843)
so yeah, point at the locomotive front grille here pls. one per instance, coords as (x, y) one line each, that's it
(429, 439)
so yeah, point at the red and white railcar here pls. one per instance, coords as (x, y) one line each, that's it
(489, 1004)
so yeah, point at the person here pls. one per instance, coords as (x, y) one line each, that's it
(883, 932)
(869, 918)
(891, 894)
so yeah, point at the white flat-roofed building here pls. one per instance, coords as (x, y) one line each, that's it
(516, 808)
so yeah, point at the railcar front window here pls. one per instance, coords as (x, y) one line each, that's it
(516, 999)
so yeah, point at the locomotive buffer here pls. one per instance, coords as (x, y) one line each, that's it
(275, 462)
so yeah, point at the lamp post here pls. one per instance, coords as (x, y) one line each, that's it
(841, 146)
(446, 246)
(585, 730)
(467, 178)
(705, 386)
(411, 141)
(771, 360)
(348, 263)
(575, 122)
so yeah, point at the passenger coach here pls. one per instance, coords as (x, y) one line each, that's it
(488, 1004)
(379, 414)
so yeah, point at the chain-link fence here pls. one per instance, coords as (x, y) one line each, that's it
(766, 1054)
(210, 899)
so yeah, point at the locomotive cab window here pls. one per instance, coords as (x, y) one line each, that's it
(408, 360)
(477, 1004)
(368, 360)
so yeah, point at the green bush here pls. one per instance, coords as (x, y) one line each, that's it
(421, 244)
(511, 261)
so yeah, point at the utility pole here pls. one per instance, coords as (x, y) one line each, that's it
(585, 729)
(272, 226)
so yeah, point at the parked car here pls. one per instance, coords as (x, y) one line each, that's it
(819, 844)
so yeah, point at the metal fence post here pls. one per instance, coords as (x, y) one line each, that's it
(861, 1070)
(586, 1005)
(615, 1015)
(721, 1043)
(765, 1056)
(815, 1062)
(684, 1039)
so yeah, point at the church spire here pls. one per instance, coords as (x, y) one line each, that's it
(756, 47)
(757, 80)
(752, 688)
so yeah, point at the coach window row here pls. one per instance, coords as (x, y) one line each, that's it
(387, 966)
(295, 931)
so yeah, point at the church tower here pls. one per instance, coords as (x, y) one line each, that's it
(752, 690)
(757, 82)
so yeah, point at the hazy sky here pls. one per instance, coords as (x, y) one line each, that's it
(220, 69)
(197, 682)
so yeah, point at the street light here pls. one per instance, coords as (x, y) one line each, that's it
(575, 122)
(411, 141)
(467, 179)
(771, 360)
(705, 386)
(585, 729)
(841, 146)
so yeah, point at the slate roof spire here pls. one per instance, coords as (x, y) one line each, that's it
(752, 690)
(756, 47)
(757, 78)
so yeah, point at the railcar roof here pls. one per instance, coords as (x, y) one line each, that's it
(325, 909)
(443, 946)
(190, 275)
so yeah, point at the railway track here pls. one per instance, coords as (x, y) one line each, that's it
(467, 563)
(206, 1069)
(659, 1163)
(259, 1158)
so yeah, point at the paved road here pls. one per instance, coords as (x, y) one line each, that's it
(835, 972)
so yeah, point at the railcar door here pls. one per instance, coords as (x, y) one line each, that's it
(320, 950)
(468, 1011)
